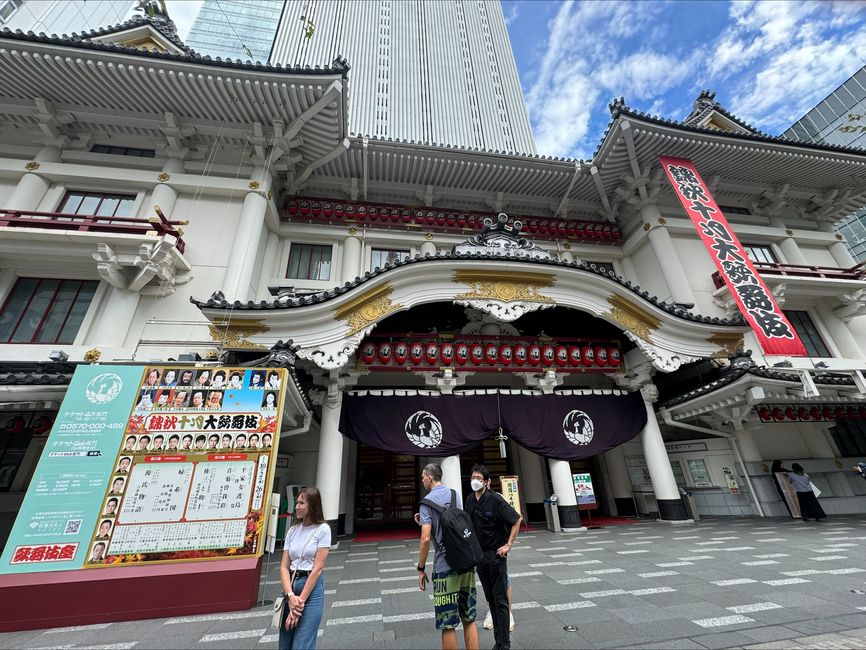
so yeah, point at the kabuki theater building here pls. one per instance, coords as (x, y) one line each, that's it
(675, 313)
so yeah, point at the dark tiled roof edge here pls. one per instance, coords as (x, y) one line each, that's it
(338, 67)
(324, 296)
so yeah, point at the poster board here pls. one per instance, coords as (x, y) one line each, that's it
(789, 493)
(511, 492)
(152, 464)
(584, 491)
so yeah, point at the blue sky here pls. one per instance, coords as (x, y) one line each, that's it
(769, 62)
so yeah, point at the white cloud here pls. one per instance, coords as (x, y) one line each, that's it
(183, 13)
(511, 16)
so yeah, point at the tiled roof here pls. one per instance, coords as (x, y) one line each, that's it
(705, 104)
(217, 301)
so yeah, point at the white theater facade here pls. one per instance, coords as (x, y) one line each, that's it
(160, 207)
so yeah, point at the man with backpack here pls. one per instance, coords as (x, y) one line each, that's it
(456, 552)
(496, 524)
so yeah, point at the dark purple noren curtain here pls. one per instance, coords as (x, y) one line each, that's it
(565, 427)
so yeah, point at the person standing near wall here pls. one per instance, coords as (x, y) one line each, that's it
(809, 506)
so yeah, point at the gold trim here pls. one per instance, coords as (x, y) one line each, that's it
(92, 355)
(632, 317)
(353, 231)
(367, 309)
(728, 344)
(254, 185)
(163, 178)
(233, 334)
(429, 236)
(504, 286)
(32, 166)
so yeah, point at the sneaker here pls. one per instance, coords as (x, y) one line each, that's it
(488, 622)
(511, 622)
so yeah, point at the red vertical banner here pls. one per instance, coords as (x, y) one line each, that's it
(773, 330)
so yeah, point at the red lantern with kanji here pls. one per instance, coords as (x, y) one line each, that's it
(587, 354)
(520, 354)
(401, 352)
(561, 355)
(461, 354)
(601, 355)
(476, 354)
(368, 353)
(506, 354)
(548, 355)
(573, 355)
(790, 413)
(533, 355)
(803, 413)
(431, 353)
(491, 354)
(778, 414)
(446, 353)
(385, 351)
(416, 353)
(613, 356)
(764, 414)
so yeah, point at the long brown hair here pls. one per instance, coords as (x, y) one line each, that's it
(315, 514)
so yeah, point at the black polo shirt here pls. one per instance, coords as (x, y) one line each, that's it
(493, 518)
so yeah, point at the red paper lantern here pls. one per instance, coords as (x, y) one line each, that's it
(476, 354)
(401, 352)
(840, 412)
(506, 354)
(803, 413)
(601, 355)
(491, 354)
(790, 413)
(548, 355)
(815, 413)
(587, 354)
(828, 413)
(778, 414)
(416, 353)
(385, 352)
(533, 355)
(431, 354)
(573, 355)
(446, 353)
(764, 414)
(613, 356)
(461, 354)
(520, 354)
(561, 355)
(368, 353)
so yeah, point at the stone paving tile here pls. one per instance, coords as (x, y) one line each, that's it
(723, 640)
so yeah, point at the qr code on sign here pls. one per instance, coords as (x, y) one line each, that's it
(72, 527)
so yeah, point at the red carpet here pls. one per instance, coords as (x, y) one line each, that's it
(388, 535)
(603, 520)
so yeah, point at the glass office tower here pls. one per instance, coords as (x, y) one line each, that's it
(236, 29)
(62, 16)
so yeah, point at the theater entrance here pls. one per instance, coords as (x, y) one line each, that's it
(386, 489)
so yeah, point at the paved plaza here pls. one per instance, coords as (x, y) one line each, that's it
(770, 583)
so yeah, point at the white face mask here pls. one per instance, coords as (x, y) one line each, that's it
(476, 484)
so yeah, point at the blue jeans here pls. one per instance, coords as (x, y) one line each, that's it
(304, 636)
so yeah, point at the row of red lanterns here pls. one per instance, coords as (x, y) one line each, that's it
(490, 354)
(311, 209)
(811, 413)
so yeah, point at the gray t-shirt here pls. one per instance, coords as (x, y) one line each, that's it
(800, 482)
(441, 495)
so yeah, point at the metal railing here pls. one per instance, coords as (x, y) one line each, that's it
(857, 272)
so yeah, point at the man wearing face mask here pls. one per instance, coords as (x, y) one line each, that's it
(496, 524)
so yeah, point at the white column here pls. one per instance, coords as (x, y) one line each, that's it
(748, 447)
(563, 488)
(32, 187)
(329, 463)
(838, 249)
(164, 195)
(428, 248)
(532, 475)
(790, 249)
(350, 264)
(664, 485)
(842, 336)
(116, 314)
(668, 259)
(239, 272)
(269, 263)
(344, 471)
(451, 475)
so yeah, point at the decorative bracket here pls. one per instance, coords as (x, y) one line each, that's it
(153, 271)
(333, 356)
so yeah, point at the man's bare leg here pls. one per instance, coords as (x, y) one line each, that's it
(449, 640)
(470, 635)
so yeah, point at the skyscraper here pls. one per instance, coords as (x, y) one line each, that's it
(61, 16)
(840, 119)
(236, 29)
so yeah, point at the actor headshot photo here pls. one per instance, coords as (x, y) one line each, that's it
(97, 555)
(215, 400)
(130, 444)
(117, 487)
(169, 379)
(173, 442)
(212, 441)
(185, 378)
(219, 378)
(110, 508)
(162, 397)
(254, 441)
(145, 402)
(227, 442)
(152, 378)
(158, 442)
(199, 442)
(203, 378)
(186, 442)
(266, 440)
(241, 441)
(143, 443)
(180, 399)
(197, 400)
(104, 529)
(123, 465)
(236, 379)
(256, 379)
(269, 403)
(273, 380)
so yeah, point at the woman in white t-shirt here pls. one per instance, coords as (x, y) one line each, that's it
(306, 549)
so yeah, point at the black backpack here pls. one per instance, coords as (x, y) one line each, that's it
(462, 550)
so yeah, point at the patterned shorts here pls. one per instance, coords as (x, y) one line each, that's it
(453, 598)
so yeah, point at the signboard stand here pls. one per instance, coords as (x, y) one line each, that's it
(585, 494)
(511, 491)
